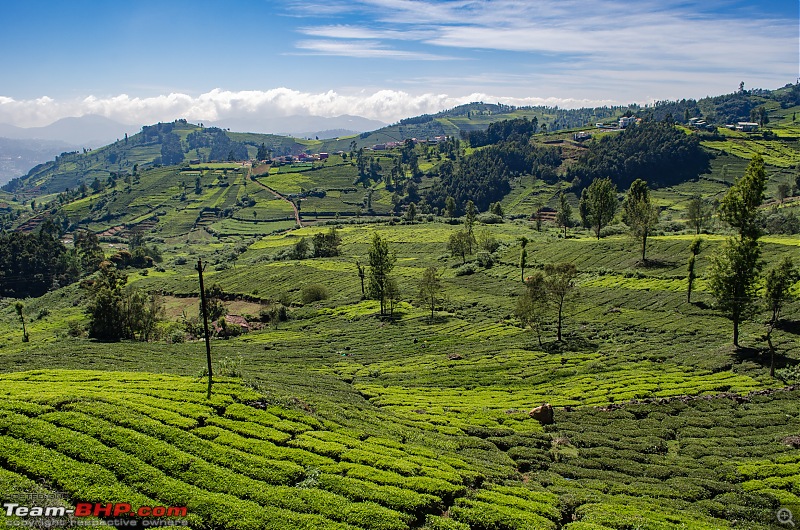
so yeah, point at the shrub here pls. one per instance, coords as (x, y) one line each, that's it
(484, 259)
(313, 293)
(466, 269)
(489, 218)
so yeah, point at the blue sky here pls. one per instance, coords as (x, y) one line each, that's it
(143, 61)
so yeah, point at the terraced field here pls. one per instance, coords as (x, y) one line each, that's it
(339, 419)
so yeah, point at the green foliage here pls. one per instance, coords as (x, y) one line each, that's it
(430, 287)
(381, 263)
(698, 213)
(659, 150)
(639, 213)
(559, 283)
(778, 293)
(300, 249)
(483, 176)
(32, 264)
(450, 207)
(89, 251)
(466, 269)
(118, 313)
(171, 150)
(313, 292)
(739, 206)
(215, 306)
(564, 215)
(460, 244)
(533, 303)
(691, 276)
(599, 204)
(733, 275)
(326, 244)
(778, 287)
(502, 131)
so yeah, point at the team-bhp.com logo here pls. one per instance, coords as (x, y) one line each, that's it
(118, 514)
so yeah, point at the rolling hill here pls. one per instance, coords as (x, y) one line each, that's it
(324, 414)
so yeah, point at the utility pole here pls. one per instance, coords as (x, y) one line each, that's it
(199, 269)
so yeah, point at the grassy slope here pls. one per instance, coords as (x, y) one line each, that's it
(630, 336)
(378, 425)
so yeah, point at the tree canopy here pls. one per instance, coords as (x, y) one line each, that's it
(639, 213)
(32, 264)
(664, 153)
(484, 176)
(598, 204)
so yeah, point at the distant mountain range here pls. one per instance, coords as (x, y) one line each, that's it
(85, 131)
(17, 157)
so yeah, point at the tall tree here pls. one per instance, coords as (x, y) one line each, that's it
(698, 213)
(263, 152)
(361, 275)
(430, 287)
(460, 244)
(778, 292)
(88, 249)
(639, 213)
(523, 256)
(105, 309)
(559, 283)
(601, 204)
(564, 216)
(735, 270)
(20, 312)
(739, 206)
(694, 248)
(450, 207)
(381, 263)
(470, 214)
(583, 208)
(532, 304)
(411, 212)
(733, 275)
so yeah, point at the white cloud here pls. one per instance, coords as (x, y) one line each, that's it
(364, 49)
(218, 104)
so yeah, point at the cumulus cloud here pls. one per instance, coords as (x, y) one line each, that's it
(218, 104)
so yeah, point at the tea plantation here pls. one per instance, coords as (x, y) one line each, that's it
(325, 414)
(338, 419)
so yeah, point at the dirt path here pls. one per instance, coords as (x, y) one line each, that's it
(278, 195)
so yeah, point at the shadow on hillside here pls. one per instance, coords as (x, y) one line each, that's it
(789, 326)
(569, 344)
(655, 264)
(761, 357)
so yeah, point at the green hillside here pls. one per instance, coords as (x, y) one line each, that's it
(342, 420)
(136, 153)
(327, 414)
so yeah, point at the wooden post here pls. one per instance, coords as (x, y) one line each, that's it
(205, 324)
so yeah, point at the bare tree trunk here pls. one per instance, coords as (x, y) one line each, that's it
(558, 333)
(199, 269)
(771, 355)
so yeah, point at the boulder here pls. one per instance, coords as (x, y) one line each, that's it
(543, 414)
